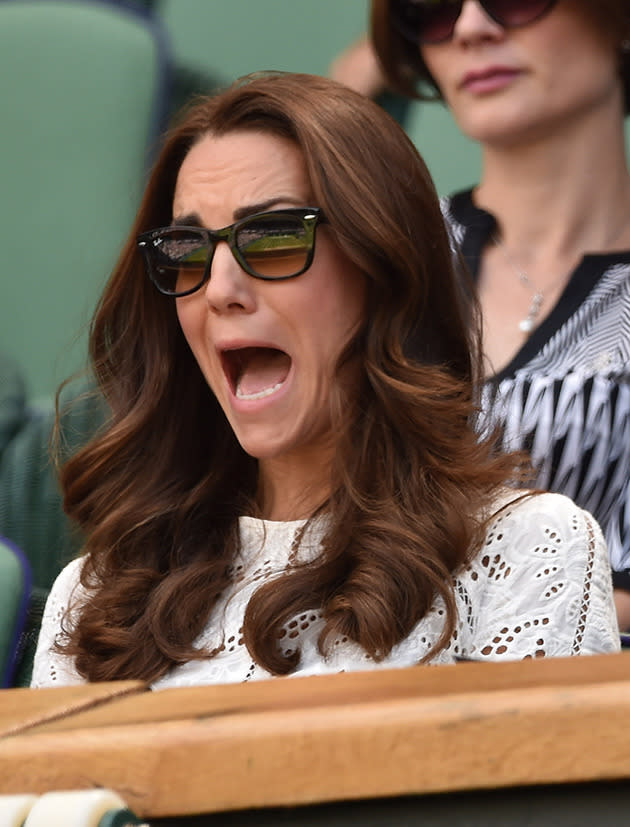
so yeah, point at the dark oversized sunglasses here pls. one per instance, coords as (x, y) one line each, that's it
(433, 21)
(273, 245)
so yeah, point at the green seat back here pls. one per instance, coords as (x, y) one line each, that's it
(82, 99)
(31, 509)
(229, 39)
(15, 590)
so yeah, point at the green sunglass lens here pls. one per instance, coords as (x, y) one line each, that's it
(180, 261)
(274, 246)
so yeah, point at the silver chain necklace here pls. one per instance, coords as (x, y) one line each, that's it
(527, 324)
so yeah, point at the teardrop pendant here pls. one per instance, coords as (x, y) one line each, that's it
(526, 325)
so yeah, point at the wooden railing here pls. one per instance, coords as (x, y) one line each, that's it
(296, 741)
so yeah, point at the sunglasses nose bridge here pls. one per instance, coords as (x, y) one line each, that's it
(228, 237)
(474, 18)
(222, 242)
(227, 286)
(441, 20)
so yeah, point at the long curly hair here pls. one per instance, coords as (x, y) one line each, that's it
(158, 492)
(407, 73)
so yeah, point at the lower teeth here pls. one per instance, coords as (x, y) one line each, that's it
(259, 394)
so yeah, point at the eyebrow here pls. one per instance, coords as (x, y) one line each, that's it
(193, 219)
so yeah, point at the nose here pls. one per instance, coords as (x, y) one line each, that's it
(474, 24)
(229, 288)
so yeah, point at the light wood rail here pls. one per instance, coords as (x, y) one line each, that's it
(294, 741)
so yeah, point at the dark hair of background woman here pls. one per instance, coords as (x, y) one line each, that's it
(158, 493)
(408, 74)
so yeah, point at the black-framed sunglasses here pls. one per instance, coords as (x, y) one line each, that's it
(272, 245)
(433, 21)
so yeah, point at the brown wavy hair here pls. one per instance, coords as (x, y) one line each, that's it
(159, 491)
(407, 73)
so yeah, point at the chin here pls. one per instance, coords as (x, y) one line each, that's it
(264, 447)
(496, 126)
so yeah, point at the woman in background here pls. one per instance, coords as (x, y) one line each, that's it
(544, 87)
(290, 481)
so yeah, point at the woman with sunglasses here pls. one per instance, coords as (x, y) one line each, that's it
(290, 481)
(544, 87)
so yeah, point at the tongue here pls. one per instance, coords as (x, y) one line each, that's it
(264, 369)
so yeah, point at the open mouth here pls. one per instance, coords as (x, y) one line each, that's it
(255, 372)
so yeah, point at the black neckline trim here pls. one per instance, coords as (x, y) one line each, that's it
(478, 226)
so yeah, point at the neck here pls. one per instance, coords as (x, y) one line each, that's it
(561, 196)
(294, 487)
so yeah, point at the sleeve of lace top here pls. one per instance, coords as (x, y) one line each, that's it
(49, 667)
(547, 585)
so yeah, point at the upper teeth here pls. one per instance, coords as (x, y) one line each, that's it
(258, 394)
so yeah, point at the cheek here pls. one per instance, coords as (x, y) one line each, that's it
(336, 312)
(183, 315)
(351, 300)
(437, 65)
(191, 316)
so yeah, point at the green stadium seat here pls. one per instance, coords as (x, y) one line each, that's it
(31, 509)
(84, 100)
(15, 591)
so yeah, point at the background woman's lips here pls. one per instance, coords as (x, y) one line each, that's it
(488, 80)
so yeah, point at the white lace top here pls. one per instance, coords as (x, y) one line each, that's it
(541, 586)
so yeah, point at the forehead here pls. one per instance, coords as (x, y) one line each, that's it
(223, 173)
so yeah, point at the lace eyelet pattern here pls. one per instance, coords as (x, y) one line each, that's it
(539, 587)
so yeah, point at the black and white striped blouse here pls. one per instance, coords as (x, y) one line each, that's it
(565, 396)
